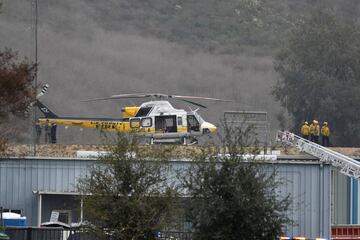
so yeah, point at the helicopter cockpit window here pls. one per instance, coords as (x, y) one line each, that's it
(135, 123)
(146, 122)
(179, 121)
(143, 112)
(193, 123)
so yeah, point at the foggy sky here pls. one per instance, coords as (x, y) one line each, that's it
(79, 60)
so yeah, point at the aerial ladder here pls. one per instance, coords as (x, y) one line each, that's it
(345, 164)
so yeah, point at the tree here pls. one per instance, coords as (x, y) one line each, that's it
(16, 90)
(127, 194)
(320, 74)
(234, 197)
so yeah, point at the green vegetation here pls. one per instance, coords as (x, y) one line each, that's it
(130, 193)
(234, 197)
(320, 71)
(127, 195)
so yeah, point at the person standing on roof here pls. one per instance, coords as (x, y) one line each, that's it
(47, 129)
(312, 130)
(325, 134)
(316, 132)
(305, 130)
(38, 131)
(53, 133)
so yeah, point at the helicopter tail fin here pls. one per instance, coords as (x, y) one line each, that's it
(45, 110)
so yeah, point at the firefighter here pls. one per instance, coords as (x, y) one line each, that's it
(305, 130)
(47, 129)
(53, 133)
(38, 131)
(325, 134)
(316, 132)
(312, 130)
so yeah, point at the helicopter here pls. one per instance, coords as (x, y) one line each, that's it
(157, 120)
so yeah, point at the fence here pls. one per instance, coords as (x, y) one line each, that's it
(51, 233)
(254, 119)
(345, 232)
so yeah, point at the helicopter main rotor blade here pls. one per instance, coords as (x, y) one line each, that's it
(204, 98)
(119, 96)
(194, 103)
(158, 95)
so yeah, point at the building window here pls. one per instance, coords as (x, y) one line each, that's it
(64, 216)
(12, 210)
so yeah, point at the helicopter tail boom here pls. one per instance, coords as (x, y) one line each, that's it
(45, 110)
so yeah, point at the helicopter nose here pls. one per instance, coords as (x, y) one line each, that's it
(212, 128)
(208, 127)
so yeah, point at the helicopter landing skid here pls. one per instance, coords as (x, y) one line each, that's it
(183, 141)
(193, 141)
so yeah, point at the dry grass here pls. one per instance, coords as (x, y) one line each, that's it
(63, 150)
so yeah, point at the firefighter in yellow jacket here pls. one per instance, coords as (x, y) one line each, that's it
(314, 131)
(305, 130)
(325, 134)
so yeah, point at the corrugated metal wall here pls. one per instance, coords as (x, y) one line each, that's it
(344, 199)
(307, 181)
(340, 198)
(309, 185)
(20, 177)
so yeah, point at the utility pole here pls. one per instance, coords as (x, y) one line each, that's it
(35, 37)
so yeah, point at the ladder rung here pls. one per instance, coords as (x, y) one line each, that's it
(346, 164)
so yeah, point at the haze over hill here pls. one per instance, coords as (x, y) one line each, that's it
(90, 49)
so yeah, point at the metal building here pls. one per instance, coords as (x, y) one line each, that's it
(345, 197)
(36, 186)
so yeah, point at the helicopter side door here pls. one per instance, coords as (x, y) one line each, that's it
(192, 123)
(165, 124)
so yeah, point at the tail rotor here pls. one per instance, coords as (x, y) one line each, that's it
(40, 94)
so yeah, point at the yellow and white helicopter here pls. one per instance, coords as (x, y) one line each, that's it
(157, 120)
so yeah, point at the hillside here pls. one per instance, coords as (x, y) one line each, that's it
(231, 27)
(90, 49)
